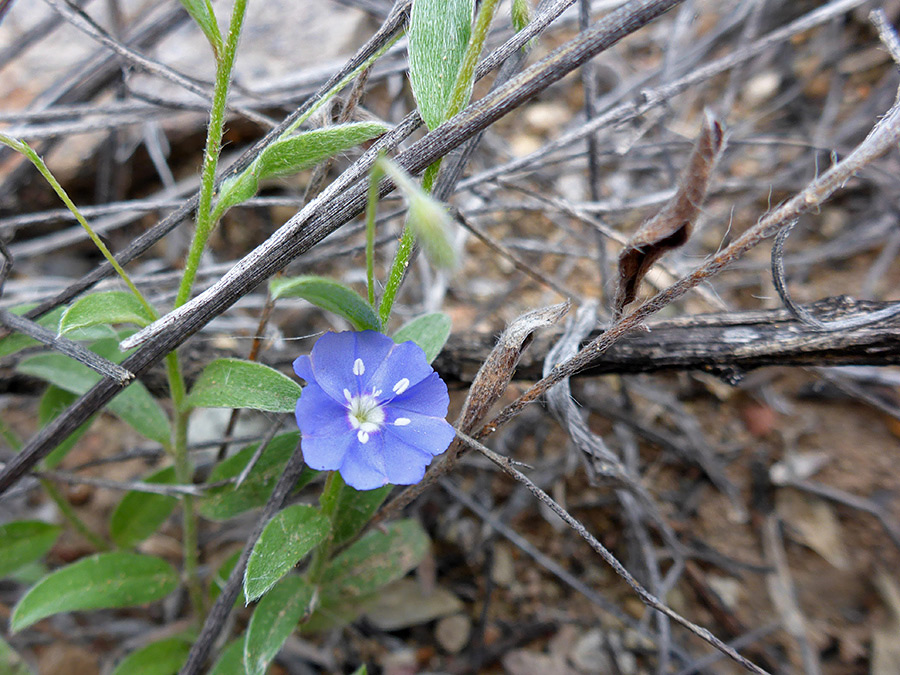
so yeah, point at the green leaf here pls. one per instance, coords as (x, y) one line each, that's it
(234, 383)
(290, 535)
(140, 514)
(439, 32)
(362, 670)
(105, 308)
(10, 661)
(201, 11)
(217, 583)
(520, 13)
(430, 332)
(24, 541)
(377, 559)
(52, 404)
(293, 154)
(352, 510)
(231, 660)
(158, 658)
(225, 502)
(134, 405)
(330, 295)
(17, 342)
(273, 620)
(308, 148)
(100, 581)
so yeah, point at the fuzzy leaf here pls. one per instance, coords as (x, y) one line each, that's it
(439, 32)
(222, 503)
(17, 342)
(293, 154)
(24, 541)
(105, 308)
(201, 11)
(287, 538)
(102, 581)
(331, 296)
(352, 510)
(134, 405)
(273, 620)
(374, 561)
(52, 403)
(231, 660)
(158, 658)
(140, 514)
(234, 383)
(430, 332)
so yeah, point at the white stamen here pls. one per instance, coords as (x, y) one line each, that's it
(359, 367)
(362, 436)
(401, 421)
(401, 386)
(348, 395)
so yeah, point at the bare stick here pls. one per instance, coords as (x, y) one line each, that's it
(648, 598)
(95, 362)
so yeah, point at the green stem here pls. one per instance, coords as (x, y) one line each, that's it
(404, 251)
(462, 88)
(34, 158)
(214, 132)
(328, 501)
(371, 207)
(68, 512)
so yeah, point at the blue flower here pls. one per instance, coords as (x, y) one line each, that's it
(372, 409)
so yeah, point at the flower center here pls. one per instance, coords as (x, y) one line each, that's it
(365, 414)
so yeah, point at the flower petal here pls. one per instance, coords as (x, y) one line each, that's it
(430, 435)
(405, 464)
(402, 369)
(363, 465)
(331, 361)
(327, 453)
(303, 368)
(428, 397)
(319, 415)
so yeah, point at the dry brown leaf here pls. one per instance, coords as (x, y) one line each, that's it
(812, 522)
(671, 227)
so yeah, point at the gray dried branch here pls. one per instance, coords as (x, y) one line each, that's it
(648, 598)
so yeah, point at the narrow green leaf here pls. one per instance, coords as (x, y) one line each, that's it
(231, 660)
(308, 148)
(222, 503)
(233, 383)
(273, 620)
(17, 342)
(105, 308)
(331, 296)
(520, 14)
(293, 154)
(430, 332)
(439, 32)
(10, 661)
(201, 11)
(52, 404)
(287, 538)
(362, 670)
(135, 405)
(24, 541)
(377, 559)
(237, 189)
(140, 514)
(352, 510)
(158, 658)
(102, 581)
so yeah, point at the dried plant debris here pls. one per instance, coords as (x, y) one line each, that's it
(671, 227)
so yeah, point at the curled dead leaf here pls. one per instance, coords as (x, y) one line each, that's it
(671, 227)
